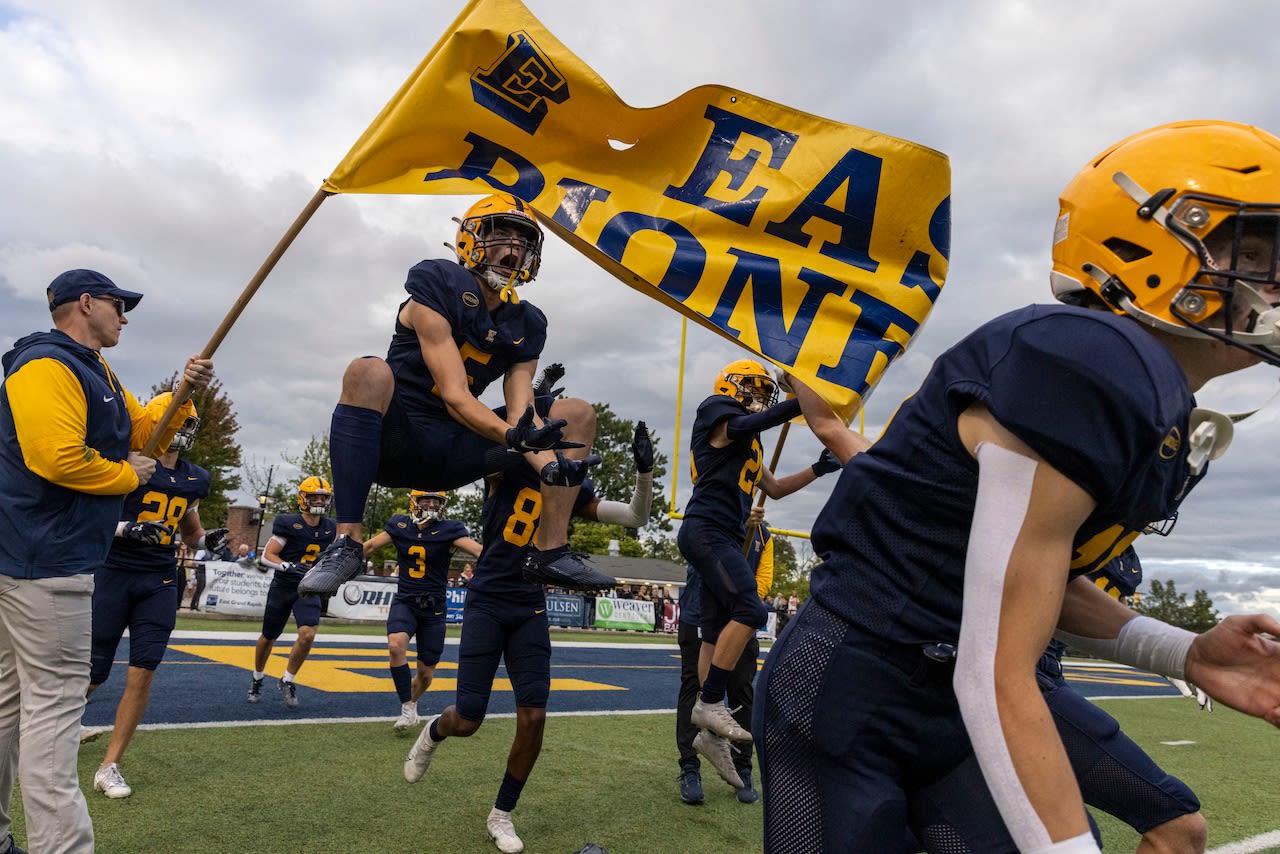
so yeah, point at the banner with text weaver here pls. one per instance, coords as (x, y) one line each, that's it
(817, 245)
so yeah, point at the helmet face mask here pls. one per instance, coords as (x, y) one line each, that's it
(499, 240)
(1179, 227)
(186, 435)
(314, 496)
(749, 383)
(427, 507)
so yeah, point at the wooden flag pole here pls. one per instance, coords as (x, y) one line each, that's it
(184, 389)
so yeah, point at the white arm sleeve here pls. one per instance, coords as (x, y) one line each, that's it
(635, 514)
(1143, 642)
(1004, 494)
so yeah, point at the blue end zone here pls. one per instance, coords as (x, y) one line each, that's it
(205, 677)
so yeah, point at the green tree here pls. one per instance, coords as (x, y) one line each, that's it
(594, 538)
(466, 505)
(215, 449)
(1164, 602)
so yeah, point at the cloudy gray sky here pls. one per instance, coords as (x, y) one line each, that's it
(170, 144)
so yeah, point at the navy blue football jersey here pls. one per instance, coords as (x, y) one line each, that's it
(302, 542)
(724, 479)
(489, 343)
(165, 498)
(1097, 397)
(423, 554)
(511, 513)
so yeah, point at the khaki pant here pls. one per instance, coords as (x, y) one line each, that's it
(45, 631)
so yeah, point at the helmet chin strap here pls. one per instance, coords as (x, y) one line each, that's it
(506, 287)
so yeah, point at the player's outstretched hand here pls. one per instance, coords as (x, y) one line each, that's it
(526, 437)
(217, 539)
(1234, 664)
(151, 533)
(551, 375)
(567, 472)
(642, 449)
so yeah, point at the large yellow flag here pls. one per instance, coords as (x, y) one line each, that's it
(817, 245)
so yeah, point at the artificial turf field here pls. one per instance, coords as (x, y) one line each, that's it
(607, 775)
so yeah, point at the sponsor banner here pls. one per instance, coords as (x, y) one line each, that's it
(366, 597)
(232, 589)
(670, 616)
(633, 614)
(565, 610)
(457, 597)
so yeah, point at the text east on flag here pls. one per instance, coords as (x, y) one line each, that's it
(817, 245)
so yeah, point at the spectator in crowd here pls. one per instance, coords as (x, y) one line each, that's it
(780, 608)
(200, 574)
(244, 557)
(69, 436)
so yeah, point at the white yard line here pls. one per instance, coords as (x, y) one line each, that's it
(1250, 845)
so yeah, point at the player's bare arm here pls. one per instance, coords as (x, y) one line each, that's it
(377, 541)
(468, 545)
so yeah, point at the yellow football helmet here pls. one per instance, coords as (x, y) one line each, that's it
(499, 239)
(314, 496)
(186, 435)
(749, 382)
(427, 507)
(1178, 226)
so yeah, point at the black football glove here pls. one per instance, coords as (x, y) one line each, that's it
(566, 472)
(527, 438)
(642, 449)
(826, 464)
(551, 375)
(151, 533)
(217, 539)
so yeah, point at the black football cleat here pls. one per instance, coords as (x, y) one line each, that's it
(564, 568)
(337, 565)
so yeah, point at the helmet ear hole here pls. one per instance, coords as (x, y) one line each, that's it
(1126, 250)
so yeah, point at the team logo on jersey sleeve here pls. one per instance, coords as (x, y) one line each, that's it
(469, 299)
(1171, 444)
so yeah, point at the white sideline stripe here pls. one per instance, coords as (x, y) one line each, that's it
(1250, 845)
(375, 720)
(381, 640)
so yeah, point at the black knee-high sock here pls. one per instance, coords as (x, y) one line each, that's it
(403, 682)
(717, 681)
(509, 793)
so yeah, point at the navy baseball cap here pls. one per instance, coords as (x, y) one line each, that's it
(68, 287)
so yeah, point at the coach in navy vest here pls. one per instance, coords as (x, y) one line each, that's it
(69, 432)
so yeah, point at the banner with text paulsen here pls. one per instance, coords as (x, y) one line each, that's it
(818, 245)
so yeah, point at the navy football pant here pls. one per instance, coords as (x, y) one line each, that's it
(425, 624)
(495, 630)
(862, 747)
(146, 603)
(283, 600)
(1115, 774)
(728, 581)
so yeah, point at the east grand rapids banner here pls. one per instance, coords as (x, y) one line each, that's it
(634, 614)
(815, 244)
